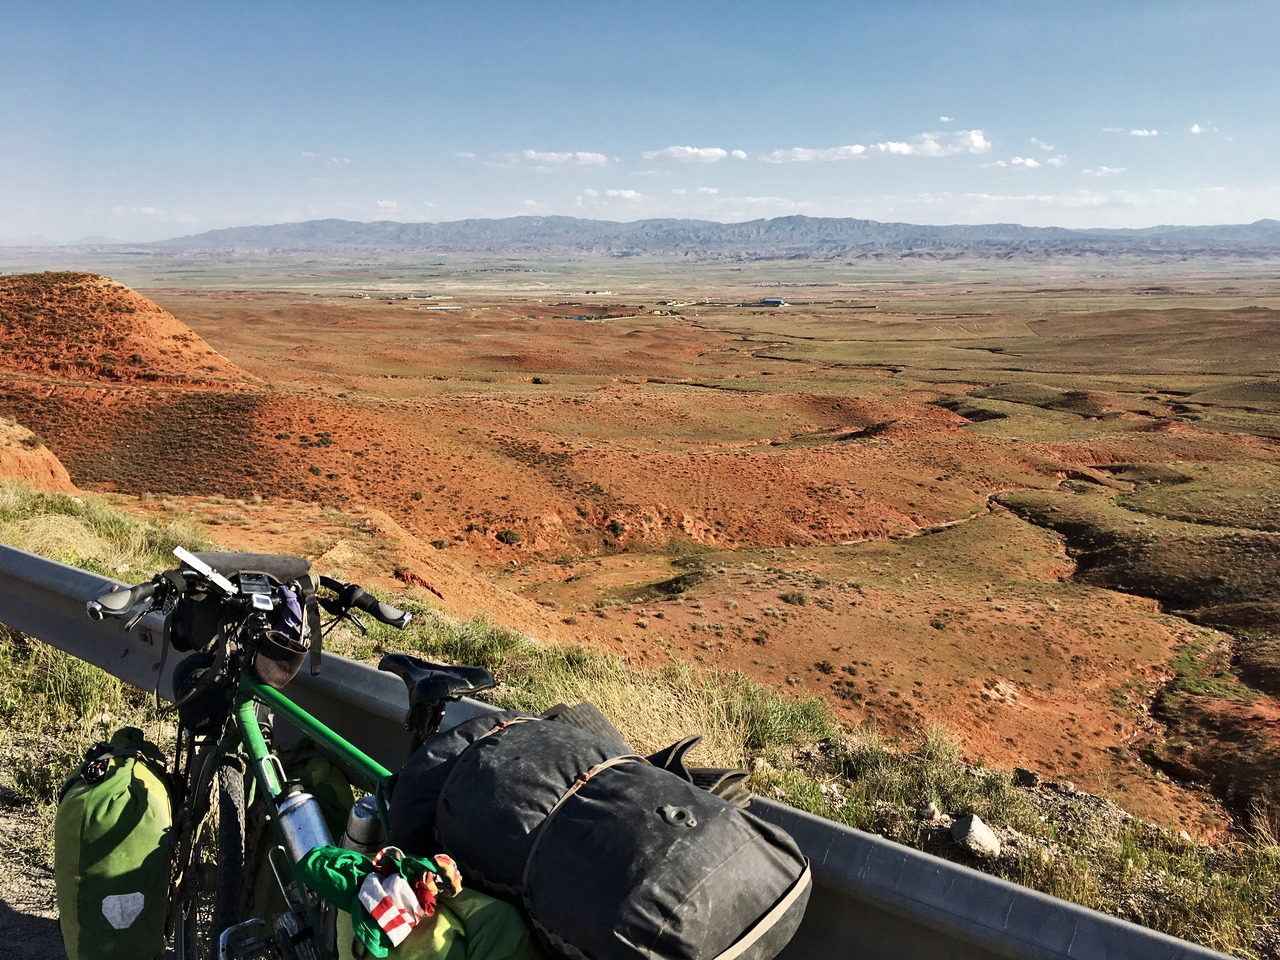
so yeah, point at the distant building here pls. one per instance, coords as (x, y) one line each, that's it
(773, 302)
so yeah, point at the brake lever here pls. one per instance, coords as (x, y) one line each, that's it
(162, 599)
(133, 621)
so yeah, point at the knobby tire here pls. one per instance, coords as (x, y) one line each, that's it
(215, 888)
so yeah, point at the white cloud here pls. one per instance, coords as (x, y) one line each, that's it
(1144, 133)
(1047, 147)
(545, 161)
(593, 193)
(739, 154)
(1196, 128)
(1113, 129)
(465, 155)
(309, 153)
(571, 158)
(1027, 163)
(387, 204)
(1057, 161)
(535, 205)
(1104, 171)
(944, 119)
(687, 154)
(709, 191)
(679, 191)
(339, 159)
(811, 155)
(921, 145)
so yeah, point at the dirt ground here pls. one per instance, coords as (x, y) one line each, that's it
(28, 911)
(808, 494)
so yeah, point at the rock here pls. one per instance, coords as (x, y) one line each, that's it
(1023, 777)
(970, 832)
(928, 811)
(1066, 786)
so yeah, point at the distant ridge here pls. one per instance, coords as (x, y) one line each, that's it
(779, 237)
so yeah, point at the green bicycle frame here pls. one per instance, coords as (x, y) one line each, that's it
(253, 690)
(245, 733)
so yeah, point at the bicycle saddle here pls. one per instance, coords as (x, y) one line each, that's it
(433, 683)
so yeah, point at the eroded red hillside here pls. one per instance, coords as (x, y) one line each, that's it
(81, 326)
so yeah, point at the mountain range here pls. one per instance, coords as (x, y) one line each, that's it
(778, 237)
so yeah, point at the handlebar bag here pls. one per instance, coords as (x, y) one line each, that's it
(112, 851)
(612, 858)
(199, 619)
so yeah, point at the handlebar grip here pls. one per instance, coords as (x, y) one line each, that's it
(119, 602)
(354, 596)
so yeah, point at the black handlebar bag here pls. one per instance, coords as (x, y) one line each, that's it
(199, 618)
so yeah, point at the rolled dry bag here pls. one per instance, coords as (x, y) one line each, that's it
(112, 848)
(612, 857)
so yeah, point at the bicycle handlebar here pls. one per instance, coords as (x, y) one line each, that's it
(352, 595)
(119, 602)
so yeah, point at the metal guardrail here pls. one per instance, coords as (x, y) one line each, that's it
(873, 899)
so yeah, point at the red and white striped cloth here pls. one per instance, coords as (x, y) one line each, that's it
(393, 904)
(397, 905)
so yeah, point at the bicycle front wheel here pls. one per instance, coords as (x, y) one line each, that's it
(211, 890)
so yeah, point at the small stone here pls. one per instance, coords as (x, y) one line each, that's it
(970, 832)
(928, 811)
(1023, 777)
(1066, 786)
(1184, 836)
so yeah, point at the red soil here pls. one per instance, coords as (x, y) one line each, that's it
(79, 326)
(608, 448)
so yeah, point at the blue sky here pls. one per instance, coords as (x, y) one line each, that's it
(141, 120)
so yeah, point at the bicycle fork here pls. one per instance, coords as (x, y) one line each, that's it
(296, 932)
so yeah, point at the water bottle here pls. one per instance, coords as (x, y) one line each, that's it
(302, 823)
(364, 829)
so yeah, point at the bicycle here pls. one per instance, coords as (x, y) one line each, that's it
(226, 712)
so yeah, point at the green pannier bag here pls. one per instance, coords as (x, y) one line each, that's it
(112, 851)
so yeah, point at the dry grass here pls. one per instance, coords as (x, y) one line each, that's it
(738, 718)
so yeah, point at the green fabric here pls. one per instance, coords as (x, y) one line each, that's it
(113, 847)
(492, 929)
(336, 875)
(470, 926)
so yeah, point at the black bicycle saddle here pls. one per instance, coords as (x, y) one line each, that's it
(433, 683)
